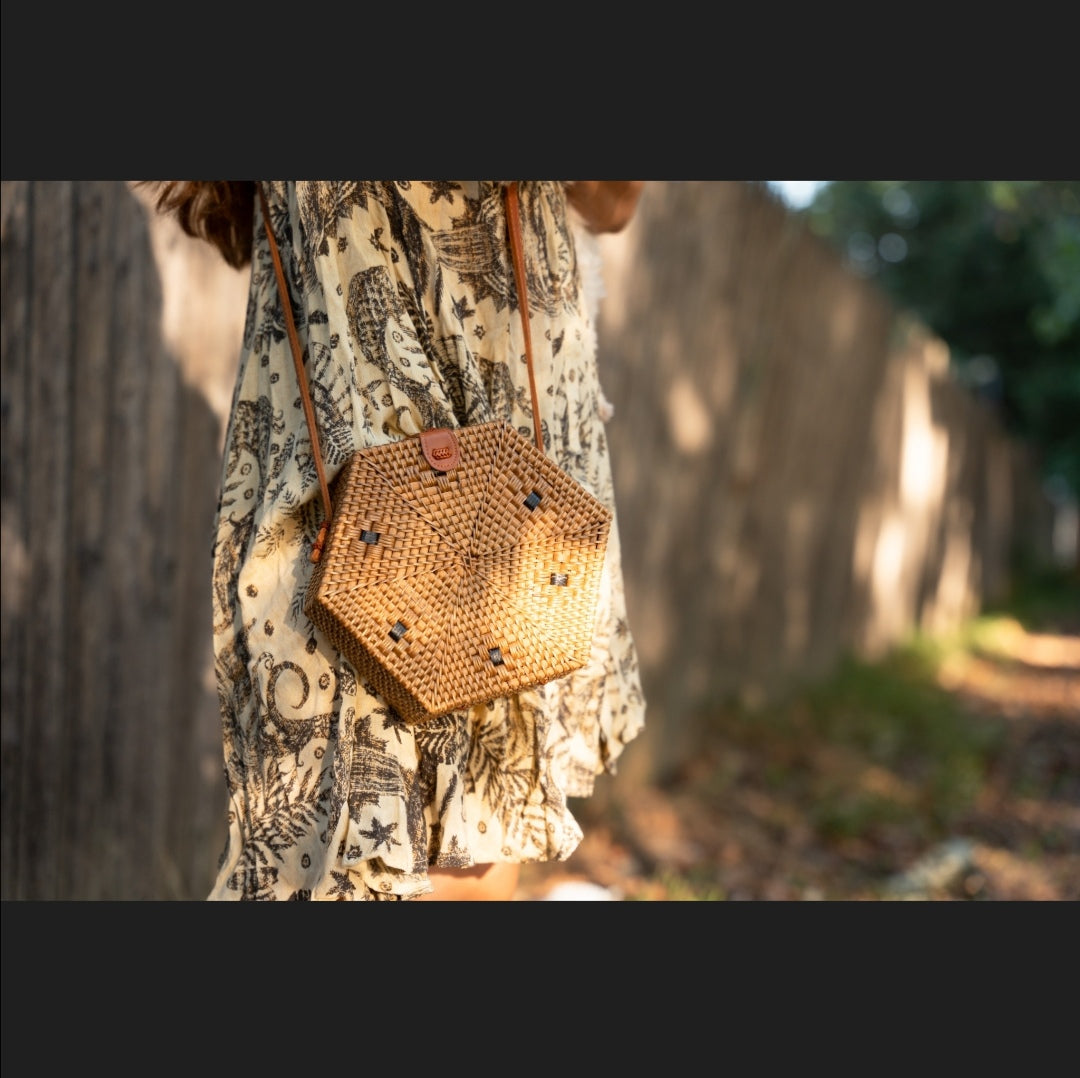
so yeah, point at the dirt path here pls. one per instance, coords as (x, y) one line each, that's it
(745, 821)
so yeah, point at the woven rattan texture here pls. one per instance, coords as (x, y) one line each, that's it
(447, 589)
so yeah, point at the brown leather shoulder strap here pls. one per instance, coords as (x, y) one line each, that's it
(513, 218)
(301, 376)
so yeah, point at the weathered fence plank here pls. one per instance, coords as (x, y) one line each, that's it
(88, 581)
(14, 566)
(44, 698)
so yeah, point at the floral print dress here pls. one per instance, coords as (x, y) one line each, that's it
(407, 313)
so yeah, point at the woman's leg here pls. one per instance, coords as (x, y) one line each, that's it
(481, 883)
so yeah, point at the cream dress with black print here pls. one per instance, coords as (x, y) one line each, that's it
(407, 313)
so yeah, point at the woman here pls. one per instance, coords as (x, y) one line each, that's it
(331, 795)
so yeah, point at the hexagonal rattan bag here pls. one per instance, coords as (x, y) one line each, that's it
(450, 588)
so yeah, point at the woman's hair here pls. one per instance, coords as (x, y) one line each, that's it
(218, 211)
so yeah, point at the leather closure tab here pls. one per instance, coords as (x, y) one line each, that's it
(440, 449)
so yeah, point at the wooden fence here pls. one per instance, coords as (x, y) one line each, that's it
(111, 778)
(797, 474)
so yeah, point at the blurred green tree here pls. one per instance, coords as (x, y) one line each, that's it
(993, 268)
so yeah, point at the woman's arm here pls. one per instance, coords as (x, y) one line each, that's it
(605, 205)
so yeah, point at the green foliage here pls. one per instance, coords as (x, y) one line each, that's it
(993, 268)
(899, 718)
(841, 812)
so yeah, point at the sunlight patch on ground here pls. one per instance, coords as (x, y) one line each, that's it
(1017, 671)
(1009, 639)
(1016, 691)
